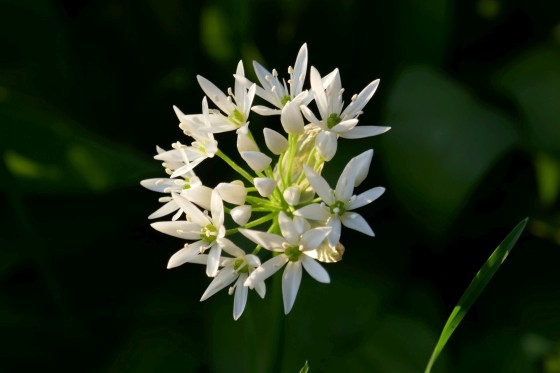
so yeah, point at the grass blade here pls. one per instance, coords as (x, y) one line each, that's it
(475, 288)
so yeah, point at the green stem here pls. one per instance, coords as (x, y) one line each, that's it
(233, 165)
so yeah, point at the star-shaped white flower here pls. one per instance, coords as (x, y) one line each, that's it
(334, 120)
(236, 105)
(237, 268)
(294, 247)
(338, 204)
(209, 231)
(277, 92)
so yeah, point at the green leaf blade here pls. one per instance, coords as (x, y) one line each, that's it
(475, 289)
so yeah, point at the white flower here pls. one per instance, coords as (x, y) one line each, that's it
(209, 230)
(338, 204)
(279, 93)
(191, 188)
(236, 105)
(237, 268)
(334, 121)
(294, 246)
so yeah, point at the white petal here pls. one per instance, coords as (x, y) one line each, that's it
(275, 141)
(215, 94)
(266, 270)
(315, 270)
(291, 278)
(240, 299)
(360, 165)
(291, 119)
(186, 254)
(355, 221)
(288, 228)
(200, 195)
(265, 186)
(308, 114)
(269, 241)
(166, 209)
(326, 144)
(300, 70)
(213, 260)
(240, 91)
(314, 211)
(344, 126)
(233, 192)
(256, 160)
(217, 209)
(252, 260)
(334, 236)
(313, 237)
(157, 185)
(191, 210)
(345, 184)
(361, 100)
(230, 248)
(365, 198)
(319, 92)
(241, 214)
(181, 229)
(245, 143)
(260, 288)
(226, 276)
(364, 131)
(291, 195)
(319, 184)
(265, 111)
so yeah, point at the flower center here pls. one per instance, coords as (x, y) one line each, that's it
(239, 266)
(338, 208)
(209, 234)
(293, 253)
(333, 120)
(285, 100)
(237, 117)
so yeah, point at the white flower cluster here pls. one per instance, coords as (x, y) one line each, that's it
(298, 215)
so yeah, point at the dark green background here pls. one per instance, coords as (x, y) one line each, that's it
(471, 89)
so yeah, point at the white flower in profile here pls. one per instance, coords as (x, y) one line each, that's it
(277, 92)
(334, 120)
(182, 159)
(236, 105)
(237, 268)
(209, 231)
(338, 204)
(294, 246)
(190, 187)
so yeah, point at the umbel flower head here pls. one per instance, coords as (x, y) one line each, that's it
(280, 202)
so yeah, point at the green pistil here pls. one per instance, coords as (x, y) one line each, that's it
(333, 120)
(338, 208)
(293, 253)
(285, 100)
(237, 116)
(208, 234)
(239, 266)
(187, 186)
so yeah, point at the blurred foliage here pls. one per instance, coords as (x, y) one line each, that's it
(471, 90)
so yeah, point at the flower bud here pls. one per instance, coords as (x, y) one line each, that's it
(241, 214)
(291, 195)
(275, 141)
(256, 160)
(265, 186)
